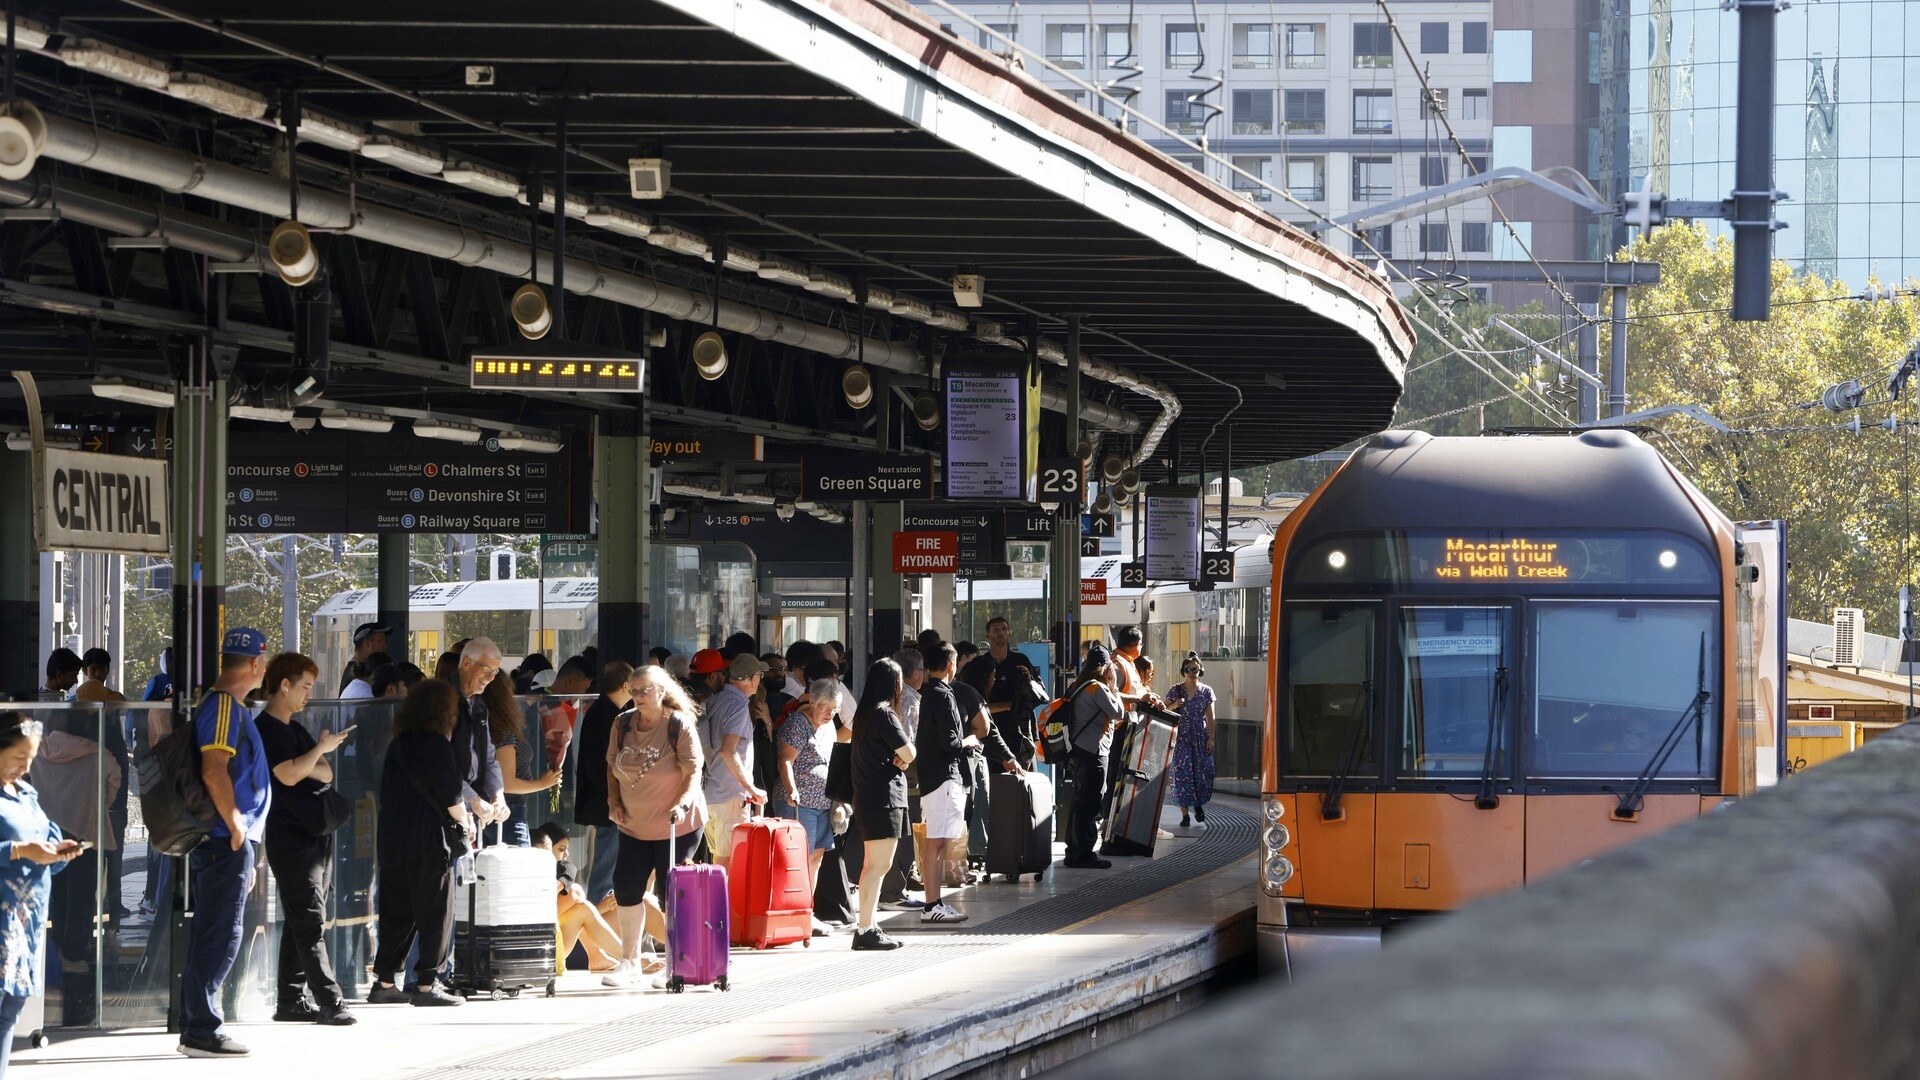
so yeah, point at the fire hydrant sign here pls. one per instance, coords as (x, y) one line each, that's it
(1093, 591)
(102, 502)
(926, 552)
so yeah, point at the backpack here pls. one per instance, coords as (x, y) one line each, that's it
(179, 813)
(1056, 742)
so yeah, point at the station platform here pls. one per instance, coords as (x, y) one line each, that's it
(1037, 973)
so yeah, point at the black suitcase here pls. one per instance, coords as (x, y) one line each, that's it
(1020, 828)
(1140, 789)
(503, 959)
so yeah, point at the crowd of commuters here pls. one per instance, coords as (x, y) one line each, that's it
(891, 788)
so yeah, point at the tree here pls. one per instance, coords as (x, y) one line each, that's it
(1845, 496)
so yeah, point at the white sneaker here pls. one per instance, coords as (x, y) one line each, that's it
(621, 976)
(941, 913)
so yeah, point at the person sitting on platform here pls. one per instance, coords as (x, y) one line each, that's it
(579, 921)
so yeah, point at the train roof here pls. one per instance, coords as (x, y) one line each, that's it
(1595, 480)
(518, 594)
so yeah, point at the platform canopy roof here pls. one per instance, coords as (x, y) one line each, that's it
(859, 141)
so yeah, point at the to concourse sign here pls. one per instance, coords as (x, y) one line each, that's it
(926, 552)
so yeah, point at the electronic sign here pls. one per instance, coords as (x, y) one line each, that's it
(583, 374)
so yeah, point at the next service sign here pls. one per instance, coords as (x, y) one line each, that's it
(102, 502)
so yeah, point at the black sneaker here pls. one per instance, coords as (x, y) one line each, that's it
(335, 1015)
(220, 1046)
(386, 994)
(873, 941)
(434, 997)
(299, 1012)
(1200, 814)
(1089, 863)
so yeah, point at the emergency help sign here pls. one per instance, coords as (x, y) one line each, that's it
(926, 552)
(102, 502)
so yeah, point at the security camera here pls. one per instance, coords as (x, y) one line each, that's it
(784, 511)
(668, 513)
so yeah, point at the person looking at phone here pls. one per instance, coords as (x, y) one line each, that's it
(233, 766)
(656, 798)
(35, 852)
(299, 844)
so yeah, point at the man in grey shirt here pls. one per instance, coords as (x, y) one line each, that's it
(726, 731)
(1092, 711)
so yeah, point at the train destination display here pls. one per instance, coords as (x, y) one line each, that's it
(993, 430)
(1518, 559)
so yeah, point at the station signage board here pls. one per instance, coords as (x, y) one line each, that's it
(681, 444)
(926, 552)
(980, 540)
(1133, 575)
(1029, 525)
(569, 555)
(1060, 480)
(325, 482)
(1173, 533)
(984, 572)
(561, 367)
(992, 426)
(1093, 592)
(1098, 525)
(1090, 547)
(847, 477)
(1216, 567)
(102, 502)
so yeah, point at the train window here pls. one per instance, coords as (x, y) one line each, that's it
(1330, 687)
(1454, 687)
(1615, 686)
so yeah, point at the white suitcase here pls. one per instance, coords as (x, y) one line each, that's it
(515, 888)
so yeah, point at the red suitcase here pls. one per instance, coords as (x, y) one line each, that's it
(767, 884)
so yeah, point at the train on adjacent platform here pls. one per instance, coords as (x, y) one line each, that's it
(1493, 658)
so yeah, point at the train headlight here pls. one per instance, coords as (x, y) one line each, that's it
(1275, 872)
(1277, 837)
(1274, 808)
(1337, 559)
(1669, 559)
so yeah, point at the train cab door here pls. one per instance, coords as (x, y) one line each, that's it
(1333, 747)
(1449, 825)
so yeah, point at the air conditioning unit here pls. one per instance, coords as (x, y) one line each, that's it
(1849, 634)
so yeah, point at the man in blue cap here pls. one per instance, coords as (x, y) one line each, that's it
(233, 766)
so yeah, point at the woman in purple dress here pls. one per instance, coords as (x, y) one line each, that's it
(1193, 742)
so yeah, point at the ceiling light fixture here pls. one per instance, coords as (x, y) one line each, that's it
(483, 180)
(530, 311)
(404, 155)
(879, 298)
(354, 420)
(744, 260)
(926, 411)
(710, 355)
(674, 238)
(578, 206)
(113, 62)
(133, 393)
(23, 135)
(911, 308)
(782, 271)
(948, 319)
(536, 444)
(828, 283)
(615, 220)
(649, 178)
(21, 440)
(325, 130)
(271, 414)
(446, 430)
(856, 384)
(294, 257)
(217, 94)
(28, 34)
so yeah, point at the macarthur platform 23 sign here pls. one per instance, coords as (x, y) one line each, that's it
(102, 502)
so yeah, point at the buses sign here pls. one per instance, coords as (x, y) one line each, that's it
(102, 502)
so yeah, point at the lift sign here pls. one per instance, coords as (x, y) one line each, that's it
(1518, 559)
(102, 502)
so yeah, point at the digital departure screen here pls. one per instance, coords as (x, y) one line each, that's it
(1553, 560)
(585, 374)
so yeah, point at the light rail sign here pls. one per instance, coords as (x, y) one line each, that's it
(102, 502)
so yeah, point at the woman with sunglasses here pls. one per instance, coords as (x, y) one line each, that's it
(34, 852)
(1192, 742)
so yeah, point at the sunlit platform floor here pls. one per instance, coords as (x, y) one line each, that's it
(1034, 958)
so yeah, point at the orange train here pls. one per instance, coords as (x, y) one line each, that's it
(1496, 657)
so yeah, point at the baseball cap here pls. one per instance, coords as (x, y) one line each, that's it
(244, 641)
(708, 661)
(1098, 654)
(368, 629)
(543, 678)
(745, 666)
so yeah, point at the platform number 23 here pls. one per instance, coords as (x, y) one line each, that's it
(1060, 478)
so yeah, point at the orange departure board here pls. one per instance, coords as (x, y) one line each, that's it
(603, 375)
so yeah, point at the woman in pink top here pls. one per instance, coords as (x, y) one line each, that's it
(654, 798)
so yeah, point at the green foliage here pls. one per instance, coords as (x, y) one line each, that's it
(1843, 495)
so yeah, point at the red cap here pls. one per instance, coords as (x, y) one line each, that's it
(707, 661)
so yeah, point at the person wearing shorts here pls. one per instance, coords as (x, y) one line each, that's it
(940, 748)
(881, 754)
(805, 742)
(726, 731)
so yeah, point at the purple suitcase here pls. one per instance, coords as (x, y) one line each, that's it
(697, 932)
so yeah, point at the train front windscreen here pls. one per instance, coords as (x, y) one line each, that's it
(1434, 650)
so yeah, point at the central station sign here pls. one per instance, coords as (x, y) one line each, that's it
(102, 502)
(325, 482)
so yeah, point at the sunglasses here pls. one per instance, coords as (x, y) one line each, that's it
(31, 728)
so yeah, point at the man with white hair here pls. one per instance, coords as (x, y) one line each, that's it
(482, 786)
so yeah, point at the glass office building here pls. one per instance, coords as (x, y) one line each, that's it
(1846, 122)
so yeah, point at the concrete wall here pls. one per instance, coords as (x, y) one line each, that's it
(1778, 938)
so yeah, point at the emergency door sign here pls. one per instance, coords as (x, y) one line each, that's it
(926, 552)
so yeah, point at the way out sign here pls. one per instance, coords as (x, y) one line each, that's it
(926, 552)
(102, 502)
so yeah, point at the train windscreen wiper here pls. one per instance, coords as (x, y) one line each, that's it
(1362, 721)
(1695, 712)
(1487, 799)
